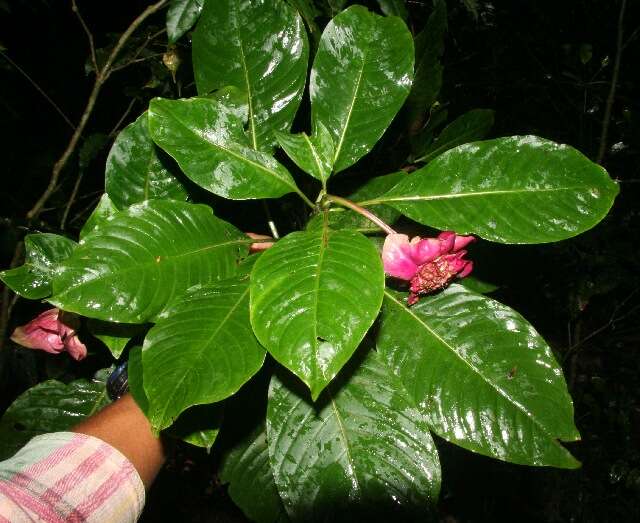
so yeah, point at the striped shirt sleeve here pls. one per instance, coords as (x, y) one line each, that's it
(67, 477)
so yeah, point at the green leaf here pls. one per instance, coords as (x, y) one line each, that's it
(360, 78)
(103, 211)
(362, 452)
(202, 350)
(423, 138)
(247, 469)
(198, 425)
(129, 269)
(91, 147)
(137, 170)
(394, 8)
(50, 406)
(314, 155)
(479, 286)
(115, 336)
(136, 379)
(44, 251)
(485, 378)
(309, 13)
(470, 127)
(429, 45)
(207, 139)
(520, 189)
(261, 48)
(314, 295)
(181, 16)
(343, 218)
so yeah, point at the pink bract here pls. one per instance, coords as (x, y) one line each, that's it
(259, 246)
(52, 331)
(428, 263)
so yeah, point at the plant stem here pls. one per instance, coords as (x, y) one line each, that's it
(606, 120)
(305, 199)
(92, 48)
(39, 89)
(101, 77)
(360, 210)
(270, 222)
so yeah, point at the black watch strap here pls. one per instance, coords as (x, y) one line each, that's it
(118, 382)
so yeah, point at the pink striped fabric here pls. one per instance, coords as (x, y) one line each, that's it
(68, 477)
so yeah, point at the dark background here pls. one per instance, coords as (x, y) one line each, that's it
(545, 67)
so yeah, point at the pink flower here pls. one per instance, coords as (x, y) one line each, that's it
(429, 264)
(259, 246)
(52, 331)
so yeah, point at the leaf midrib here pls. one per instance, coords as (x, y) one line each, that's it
(199, 352)
(154, 263)
(314, 154)
(353, 103)
(245, 69)
(464, 195)
(347, 448)
(236, 155)
(473, 368)
(324, 243)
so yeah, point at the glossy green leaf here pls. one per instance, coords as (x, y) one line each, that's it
(145, 256)
(423, 138)
(207, 139)
(314, 154)
(314, 295)
(470, 127)
(198, 425)
(103, 211)
(394, 8)
(477, 285)
(115, 336)
(50, 406)
(44, 251)
(136, 380)
(261, 48)
(309, 12)
(182, 16)
(484, 377)
(360, 78)
(247, 469)
(137, 170)
(520, 189)
(90, 148)
(429, 45)
(362, 451)
(202, 350)
(343, 218)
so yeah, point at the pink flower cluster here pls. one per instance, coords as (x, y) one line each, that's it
(52, 331)
(429, 264)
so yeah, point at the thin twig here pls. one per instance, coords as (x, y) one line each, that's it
(361, 210)
(116, 127)
(613, 319)
(134, 57)
(101, 77)
(606, 119)
(120, 67)
(6, 297)
(85, 209)
(72, 199)
(631, 38)
(270, 222)
(92, 47)
(40, 90)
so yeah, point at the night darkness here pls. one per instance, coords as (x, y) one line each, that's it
(545, 68)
